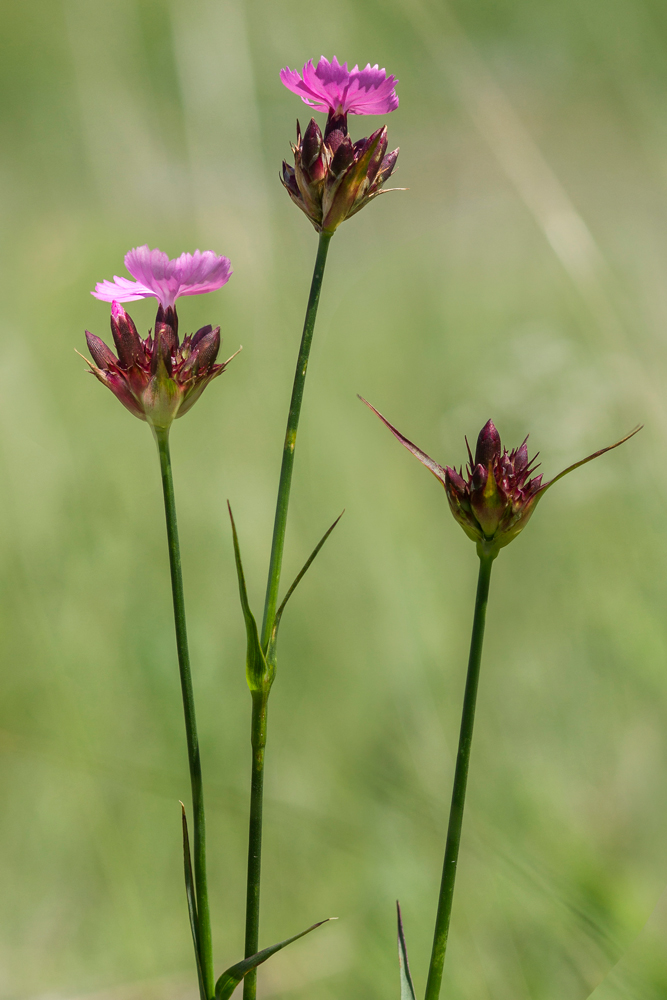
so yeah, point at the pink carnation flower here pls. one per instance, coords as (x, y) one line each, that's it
(156, 275)
(336, 89)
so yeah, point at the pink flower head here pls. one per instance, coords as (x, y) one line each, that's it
(156, 275)
(333, 88)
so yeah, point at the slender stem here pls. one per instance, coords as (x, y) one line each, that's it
(280, 523)
(460, 782)
(258, 738)
(201, 889)
(258, 743)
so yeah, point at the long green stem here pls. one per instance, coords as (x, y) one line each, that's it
(258, 743)
(201, 889)
(287, 467)
(258, 738)
(460, 782)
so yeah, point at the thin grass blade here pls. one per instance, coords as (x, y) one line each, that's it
(407, 987)
(192, 902)
(258, 672)
(230, 979)
(584, 461)
(270, 652)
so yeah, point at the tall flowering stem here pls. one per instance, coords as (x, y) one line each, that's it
(159, 379)
(460, 780)
(331, 180)
(493, 501)
(260, 698)
(203, 944)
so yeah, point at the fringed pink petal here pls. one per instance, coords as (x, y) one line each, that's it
(165, 279)
(330, 86)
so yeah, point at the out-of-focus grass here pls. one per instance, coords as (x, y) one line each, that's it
(521, 277)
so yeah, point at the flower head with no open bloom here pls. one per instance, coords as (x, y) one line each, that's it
(164, 279)
(495, 498)
(159, 378)
(330, 181)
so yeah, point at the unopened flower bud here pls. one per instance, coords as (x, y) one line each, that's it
(127, 340)
(313, 160)
(494, 501)
(336, 123)
(488, 445)
(342, 159)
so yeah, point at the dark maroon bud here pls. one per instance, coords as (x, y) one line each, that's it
(334, 140)
(168, 335)
(479, 478)
(165, 344)
(457, 481)
(335, 123)
(387, 166)
(205, 352)
(312, 144)
(488, 445)
(127, 340)
(100, 353)
(378, 153)
(201, 333)
(289, 179)
(169, 318)
(521, 460)
(343, 157)
(318, 171)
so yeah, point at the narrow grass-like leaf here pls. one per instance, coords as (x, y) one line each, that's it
(259, 673)
(583, 461)
(407, 988)
(192, 902)
(270, 652)
(230, 979)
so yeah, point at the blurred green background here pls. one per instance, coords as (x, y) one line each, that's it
(522, 277)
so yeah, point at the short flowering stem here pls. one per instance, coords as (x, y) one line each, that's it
(460, 780)
(201, 889)
(259, 714)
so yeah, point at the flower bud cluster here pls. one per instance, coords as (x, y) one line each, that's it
(159, 378)
(494, 501)
(332, 177)
(496, 498)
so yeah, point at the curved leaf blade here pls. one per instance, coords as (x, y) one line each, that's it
(270, 652)
(192, 902)
(230, 979)
(407, 987)
(259, 673)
